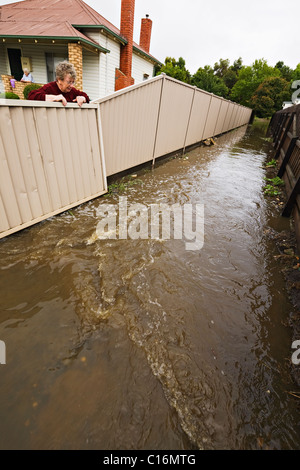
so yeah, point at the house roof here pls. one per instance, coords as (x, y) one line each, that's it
(56, 19)
(45, 30)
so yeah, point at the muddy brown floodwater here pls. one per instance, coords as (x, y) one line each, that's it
(141, 343)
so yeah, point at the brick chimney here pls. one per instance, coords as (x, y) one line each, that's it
(123, 75)
(145, 36)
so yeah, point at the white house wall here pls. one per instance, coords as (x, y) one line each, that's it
(37, 55)
(108, 64)
(99, 70)
(3, 69)
(38, 58)
(141, 67)
(90, 75)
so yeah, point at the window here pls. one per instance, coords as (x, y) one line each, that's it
(51, 62)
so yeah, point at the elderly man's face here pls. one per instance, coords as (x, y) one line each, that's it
(66, 84)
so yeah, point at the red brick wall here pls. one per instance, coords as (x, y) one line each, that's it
(122, 81)
(145, 36)
(126, 29)
(18, 88)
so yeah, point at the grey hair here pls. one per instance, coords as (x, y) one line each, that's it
(25, 70)
(65, 68)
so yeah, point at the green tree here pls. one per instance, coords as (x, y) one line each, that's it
(296, 73)
(285, 71)
(175, 69)
(269, 96)
(205, 79)
(249, 78)
(237, 65)
(228, 73)
(230, 78)
(295, 87)
(221, 68)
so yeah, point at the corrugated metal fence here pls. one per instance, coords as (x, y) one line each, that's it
(50, 161)
(53, 158)
(285, 130)
(160, 116)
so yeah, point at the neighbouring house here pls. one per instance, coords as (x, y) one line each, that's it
(37, 34)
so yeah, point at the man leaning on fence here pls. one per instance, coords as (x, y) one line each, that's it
(62, 89)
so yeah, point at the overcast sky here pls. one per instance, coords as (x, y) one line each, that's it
(202, 32)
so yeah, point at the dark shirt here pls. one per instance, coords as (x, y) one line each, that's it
(52, 89)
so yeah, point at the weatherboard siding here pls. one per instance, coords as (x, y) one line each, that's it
(38, 61)
(99, 77)
(38, 58)
(37, 55)
(108, 65)
(3, 68)
(91, 84)
(140, 67)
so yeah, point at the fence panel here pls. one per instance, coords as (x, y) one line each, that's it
(129, 124)
(228, 118)
(198, 117)
(220, 128)
(160, 116)
(212, 116)
(175, 108)
(51, 160)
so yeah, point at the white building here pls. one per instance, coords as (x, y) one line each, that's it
(40, 33)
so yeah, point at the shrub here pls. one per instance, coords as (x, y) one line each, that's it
(9, 96)
(29, 88)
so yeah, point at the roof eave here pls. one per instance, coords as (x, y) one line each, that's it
(104, 28)
(38, 38)
(122, 40)
(148, 56)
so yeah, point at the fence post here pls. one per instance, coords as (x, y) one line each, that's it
(189, 120)
(217, 118)
(158, 116)
(101, 147)
(207, 114)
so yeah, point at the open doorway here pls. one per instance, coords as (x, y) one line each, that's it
(14, 57)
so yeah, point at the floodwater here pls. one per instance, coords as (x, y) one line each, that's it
(143, 343)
